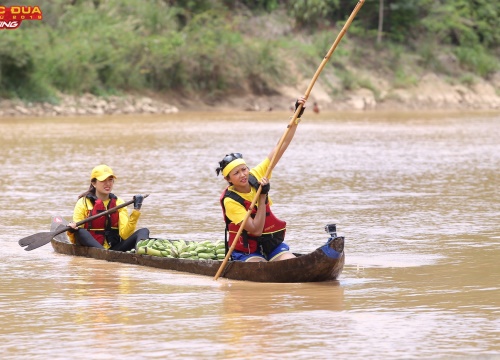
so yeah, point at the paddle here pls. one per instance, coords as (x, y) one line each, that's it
(294, 118)
(35, 241)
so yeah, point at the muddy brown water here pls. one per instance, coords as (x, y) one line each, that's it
(415, 194)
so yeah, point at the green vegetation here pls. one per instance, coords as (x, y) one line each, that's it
(218, 47)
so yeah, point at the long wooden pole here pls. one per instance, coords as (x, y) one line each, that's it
(294, 118)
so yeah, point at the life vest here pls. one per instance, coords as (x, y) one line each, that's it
(104, 227)
(273, 233)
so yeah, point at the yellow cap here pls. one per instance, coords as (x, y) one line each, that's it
(101, 173)
(232, 165)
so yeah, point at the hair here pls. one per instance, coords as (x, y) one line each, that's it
(91, 189)
(223, 163)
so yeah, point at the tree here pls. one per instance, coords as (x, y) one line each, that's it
(380, 21)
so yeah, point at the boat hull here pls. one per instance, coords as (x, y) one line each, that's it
(324, 264)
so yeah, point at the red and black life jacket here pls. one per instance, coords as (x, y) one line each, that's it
(104, 227)
(273, 233)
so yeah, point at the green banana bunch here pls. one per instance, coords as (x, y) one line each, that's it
(193, 250)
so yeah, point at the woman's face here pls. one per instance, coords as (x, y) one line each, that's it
(239, 176)
(104, 187)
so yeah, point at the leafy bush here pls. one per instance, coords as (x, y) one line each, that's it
(311, 13)
(115, 46)
(476, 59)
(18, 68)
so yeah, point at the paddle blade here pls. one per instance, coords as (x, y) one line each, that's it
(36, 240)
(29, 239)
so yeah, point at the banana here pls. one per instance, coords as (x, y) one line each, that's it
(201, 249)
(169, 245)
(207, 256)
(181, 243)
(142, 243)
(158, 246)
(174, 252)
(180, 246)
(153, 252)
(192, 246)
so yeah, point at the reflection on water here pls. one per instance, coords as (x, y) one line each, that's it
(415, 195)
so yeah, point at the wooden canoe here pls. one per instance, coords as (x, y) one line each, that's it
(323, 264)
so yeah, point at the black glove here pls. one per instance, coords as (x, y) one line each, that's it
(301, 110)
(138, 201)
(266, 188)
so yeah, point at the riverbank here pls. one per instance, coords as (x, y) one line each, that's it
(86, 105)
(431, 93)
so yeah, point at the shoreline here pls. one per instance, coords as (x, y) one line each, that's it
(143, 105)
(431, 94)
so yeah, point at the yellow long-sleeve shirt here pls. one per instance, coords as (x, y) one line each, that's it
(234, 211)
(126, 224)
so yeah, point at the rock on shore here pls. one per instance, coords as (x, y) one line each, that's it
(87, 104)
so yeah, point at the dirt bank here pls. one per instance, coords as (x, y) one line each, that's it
(431, 92)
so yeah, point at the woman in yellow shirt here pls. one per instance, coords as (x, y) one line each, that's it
(115, 231)
(263, 235)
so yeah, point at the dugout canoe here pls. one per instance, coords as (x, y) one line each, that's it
(323, 264)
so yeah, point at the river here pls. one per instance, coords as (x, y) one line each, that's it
(416, 195)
